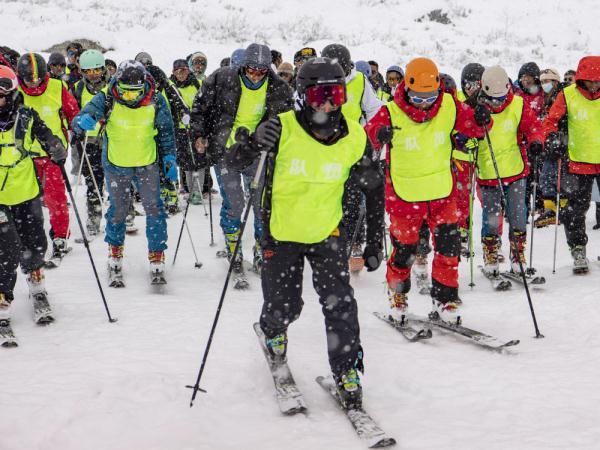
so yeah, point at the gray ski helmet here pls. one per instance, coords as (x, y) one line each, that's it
(396, 69)
(341, 54)
(237, 57)
(472, 72)
(319, 71)
(258, 56)
(364, 67)
(495, 82)
(131, 73)
(144, 58)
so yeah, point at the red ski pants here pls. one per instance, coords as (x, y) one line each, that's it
(55, 196)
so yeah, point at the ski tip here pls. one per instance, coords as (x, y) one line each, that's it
(385, 442)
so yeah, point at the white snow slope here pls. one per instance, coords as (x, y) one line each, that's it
(85, 384)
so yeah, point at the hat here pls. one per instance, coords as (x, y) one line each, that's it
(257, 55)
(285, 67)
(144, 58)
(305, 53)
(179, 64)
(549, 74)
(57, 59)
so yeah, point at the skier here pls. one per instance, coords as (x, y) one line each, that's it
(57, 65)
(418, 125)
(286, 71)
(22, 240)
(393, 76)
(197, 64)
(94, 79)
(361, 105)
(569, 77)
(515, 132)
(111, 67)
(233, 102)
(376, 78)
(312, 153)
(138, 127)
(579, 104)
(187, 85)
(57, 108)
(74, 51)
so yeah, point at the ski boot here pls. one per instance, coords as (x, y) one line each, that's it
(490, 245)
(93, 226)
(169, 196)
(277, 346)
(7, 336)
(59, 250)
(257, 260)
(157, 267)
(356, 263)
(195, 198)
(580, 262)
(448, 311)
(42, 313)
(239, 275)
(398, 304)
(115, 266)
(464, 243)
(4, 307)
(421, 271)
(517, 251)
(349, 389)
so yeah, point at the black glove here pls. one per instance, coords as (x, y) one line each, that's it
(373, 255)
(159, 76)
(554, 148)
(242, 136)
(384, 135)
(58, 153)
(536, 148)
(267, 134)
(482, 115)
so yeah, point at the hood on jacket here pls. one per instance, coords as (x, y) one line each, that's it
(588, 69)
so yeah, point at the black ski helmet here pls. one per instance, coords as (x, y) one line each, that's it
(341, 54)
(449, 83)
(57, 59)
(131, 73)
(532, 69)
(31, 67)
(318, 71)
(472, 72)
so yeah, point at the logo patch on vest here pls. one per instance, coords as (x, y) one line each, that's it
(332, 171)
(298, 167)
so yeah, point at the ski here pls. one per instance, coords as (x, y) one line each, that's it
(240, 281)
(405, 328)
(249, 267)
(288, 395)
(534, 280)
(7, 336)
(55, 261)
(131, 230)
(474, 336)
(157, 278)
(42, 312)
(498, 283)
(366, 428)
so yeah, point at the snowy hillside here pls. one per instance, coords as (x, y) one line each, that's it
(85, 384)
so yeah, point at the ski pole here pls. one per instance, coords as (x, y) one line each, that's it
(197, 264)
(531, 270)
(472, 178)
(504, 200)
(210, 210)
(253, 188)
(557, 214)
(361, 217)
(385, 249)
(85, 241)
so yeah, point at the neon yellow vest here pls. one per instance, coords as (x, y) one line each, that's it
(188, 94)
(383, 96)
(503, 136)
(251, 109)
(352, 109)
(86, 97)
(461, 96)
(308, 182)
(583, 119)
(420, 154)
(18, 179)
(130, 133)
(48, 105)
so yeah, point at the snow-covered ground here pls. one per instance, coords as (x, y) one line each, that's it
(85, 384)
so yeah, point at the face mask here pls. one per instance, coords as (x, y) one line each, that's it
(547, 87)
(325, 124)
(533, 89)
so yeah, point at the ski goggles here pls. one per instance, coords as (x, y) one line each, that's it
(130, 93)
(320, 94)
(256, 71)
(416, 100)
(470, 85)
(199, 62)
(95, 71)
(7, 86)
(494, 100)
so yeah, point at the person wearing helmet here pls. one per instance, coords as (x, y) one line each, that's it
(393, 77)
(94, 79)
(187, 86)
(74, 51)
(312, 153)
(362, 104)
(9, 57)
(57, 108)
(57, 65)
(515, 135)
(22, 240)
(420, 125)
(470, 83)
(528, 86)
(197, 63)
(138, 142)
(551, 85)
(233, 102)
(578, 104)
(364, 68)
(237, 57)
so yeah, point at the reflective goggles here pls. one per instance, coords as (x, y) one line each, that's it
(95, 71)
(393, 79)
(470, 85)
(494, 100)
(130, 93)
(255, 71)
(318, 95)
(416, 100)
(7, 86)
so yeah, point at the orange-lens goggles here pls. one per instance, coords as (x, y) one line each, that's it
(96, 71)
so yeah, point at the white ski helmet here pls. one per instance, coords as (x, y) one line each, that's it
(495, 82)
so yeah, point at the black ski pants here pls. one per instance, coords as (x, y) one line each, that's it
(22, 241)
(94, 154)
(578, 189)
(282, 272)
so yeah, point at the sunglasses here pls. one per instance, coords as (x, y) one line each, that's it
(253, 70)
(319, 95)
(95, 71)
(420, 100)
(72, 54)
(472, 85)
